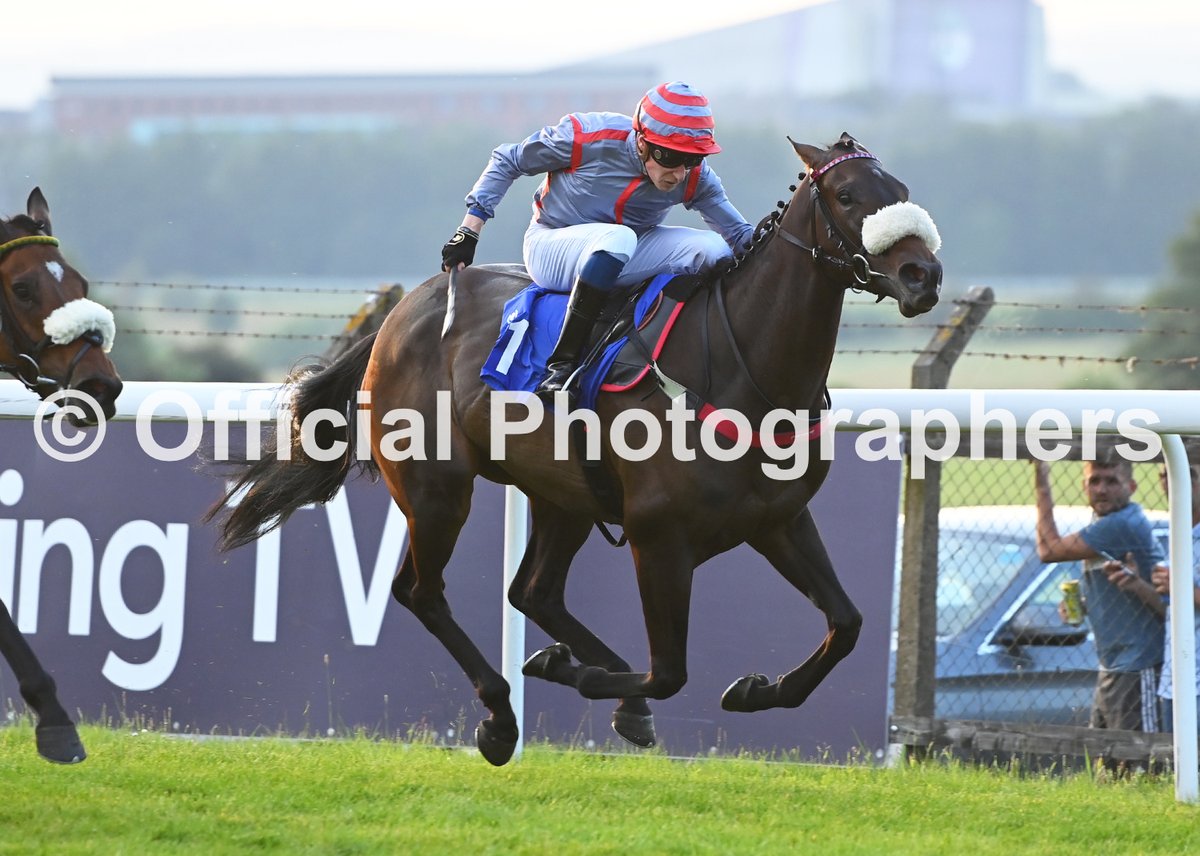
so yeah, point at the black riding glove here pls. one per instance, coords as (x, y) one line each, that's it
(460, 249)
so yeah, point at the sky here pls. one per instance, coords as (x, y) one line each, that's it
(1124, 48)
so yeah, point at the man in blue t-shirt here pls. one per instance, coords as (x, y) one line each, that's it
(1126, 617)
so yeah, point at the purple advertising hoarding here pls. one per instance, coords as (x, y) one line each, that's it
(110, 572)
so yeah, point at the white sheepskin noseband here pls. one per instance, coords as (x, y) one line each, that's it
(71, 320)
(899, 220)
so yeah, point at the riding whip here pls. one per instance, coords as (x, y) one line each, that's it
(449, 303)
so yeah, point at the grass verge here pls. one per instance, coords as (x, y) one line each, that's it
(149, 792)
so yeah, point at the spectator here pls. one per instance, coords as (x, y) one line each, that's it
(1125, 613)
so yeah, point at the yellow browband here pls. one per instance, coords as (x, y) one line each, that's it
(17, 243)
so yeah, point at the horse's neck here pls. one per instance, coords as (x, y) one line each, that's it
(785, 312)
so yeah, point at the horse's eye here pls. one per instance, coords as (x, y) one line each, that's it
(23, 291)
(844, 197)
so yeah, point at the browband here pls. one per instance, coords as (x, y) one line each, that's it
(17, 243)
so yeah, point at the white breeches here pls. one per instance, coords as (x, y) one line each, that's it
(554, 257)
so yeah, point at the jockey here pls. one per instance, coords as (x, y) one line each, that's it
(597, 219)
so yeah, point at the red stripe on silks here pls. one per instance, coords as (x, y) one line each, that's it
(545, 189)
(676, 98)
(675, 119)
(605, 134)
(692, 182)
(619, 207)
(576, 142)
(581, 138)
(728, 430)
(658, 346)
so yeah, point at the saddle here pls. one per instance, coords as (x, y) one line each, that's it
(628, 335)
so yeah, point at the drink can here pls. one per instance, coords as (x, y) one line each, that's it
(1072, 602)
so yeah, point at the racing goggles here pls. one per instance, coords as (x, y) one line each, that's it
(672, 159)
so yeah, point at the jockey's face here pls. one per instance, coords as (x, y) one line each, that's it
(664, 178)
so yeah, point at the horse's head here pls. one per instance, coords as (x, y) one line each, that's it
(52, 337)
(862, 221)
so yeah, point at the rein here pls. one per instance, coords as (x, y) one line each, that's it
(857, 264)
(26, 368)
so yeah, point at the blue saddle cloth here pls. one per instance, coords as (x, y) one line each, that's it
(529, 330)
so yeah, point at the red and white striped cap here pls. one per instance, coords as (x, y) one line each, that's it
(676, 116)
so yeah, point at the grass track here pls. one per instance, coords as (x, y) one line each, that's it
(150, 793)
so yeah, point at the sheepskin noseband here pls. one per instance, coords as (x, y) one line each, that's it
(71, 320)
(899, 220)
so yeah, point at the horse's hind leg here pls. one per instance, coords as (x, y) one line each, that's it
(434, 521)
(797, 552)
(539, 591)
(57, 738)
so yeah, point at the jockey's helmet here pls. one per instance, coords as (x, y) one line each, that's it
(676, 116)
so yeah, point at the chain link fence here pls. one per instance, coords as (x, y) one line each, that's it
(1003, 651)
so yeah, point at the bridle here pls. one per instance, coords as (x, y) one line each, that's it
(853, 261)
(26, 368)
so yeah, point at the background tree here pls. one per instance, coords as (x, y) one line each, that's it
(1181, 293)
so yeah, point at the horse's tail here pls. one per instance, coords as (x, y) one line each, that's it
(266, 490)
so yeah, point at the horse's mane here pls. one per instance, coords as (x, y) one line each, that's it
(762, 234)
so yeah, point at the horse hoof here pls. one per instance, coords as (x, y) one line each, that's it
(541, 662)
(60, 744)
(737, 697)
(635, 728)
(495, 747)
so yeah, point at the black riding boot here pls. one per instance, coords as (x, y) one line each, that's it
(584, 306)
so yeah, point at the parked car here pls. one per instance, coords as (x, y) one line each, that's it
(1003, 653)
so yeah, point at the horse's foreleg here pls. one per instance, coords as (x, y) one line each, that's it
(419, 586)
(539, 592)
(57, 738)
(665, 584)
(797, 552)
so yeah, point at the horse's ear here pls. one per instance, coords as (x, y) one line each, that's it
(39, 209)
(847, 142)
(811, 155)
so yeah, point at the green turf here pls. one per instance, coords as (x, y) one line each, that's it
(997, 482)
(152, 793)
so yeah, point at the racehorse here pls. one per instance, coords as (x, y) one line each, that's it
(54, 340)
(757, 337)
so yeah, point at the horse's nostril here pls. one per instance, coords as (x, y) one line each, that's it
(914, 275)
(104, 392)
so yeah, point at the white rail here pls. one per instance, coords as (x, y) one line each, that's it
(1165, 413)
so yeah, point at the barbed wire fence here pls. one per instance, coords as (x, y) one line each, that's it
(234, 331)
(1020, 343)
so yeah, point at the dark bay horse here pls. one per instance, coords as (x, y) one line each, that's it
(759, 336)
(54, 340)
